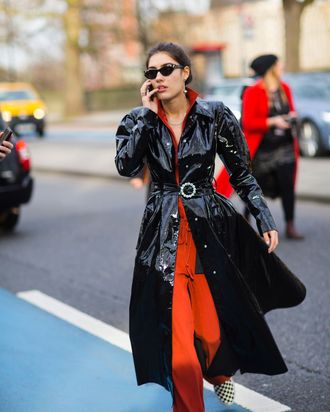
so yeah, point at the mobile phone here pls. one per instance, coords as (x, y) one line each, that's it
(7, 133)
(150, 88)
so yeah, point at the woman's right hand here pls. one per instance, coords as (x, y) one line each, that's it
(146, 97)
(278, 121)
(5, 148)
(271, 239)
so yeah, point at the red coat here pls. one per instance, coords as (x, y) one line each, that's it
(254, 123)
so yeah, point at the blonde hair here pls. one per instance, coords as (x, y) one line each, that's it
(282, 92)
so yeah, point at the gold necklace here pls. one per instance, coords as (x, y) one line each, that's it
(175, 123)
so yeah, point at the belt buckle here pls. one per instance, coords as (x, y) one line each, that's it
(187, 190)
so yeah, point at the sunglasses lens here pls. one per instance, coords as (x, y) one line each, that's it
(166, 70)
(150, 74)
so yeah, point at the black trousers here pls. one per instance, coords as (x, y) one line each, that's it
(285, 182)
(285, 177)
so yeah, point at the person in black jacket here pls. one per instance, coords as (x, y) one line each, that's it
(203, 278)
(141, 180)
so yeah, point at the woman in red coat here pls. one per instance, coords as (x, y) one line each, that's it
(268, 121)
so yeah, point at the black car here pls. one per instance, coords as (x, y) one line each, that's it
(16, 184)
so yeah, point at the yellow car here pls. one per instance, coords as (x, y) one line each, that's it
(21, 108)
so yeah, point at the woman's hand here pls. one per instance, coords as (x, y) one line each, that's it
(271, 239)
(147, 95)
(278, 121)
(137, 182)
(5, 148)
(293, 114)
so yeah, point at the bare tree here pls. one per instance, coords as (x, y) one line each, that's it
(74, 93)
(18, 37)
(149, 10)
(145, 10)
(293, 10)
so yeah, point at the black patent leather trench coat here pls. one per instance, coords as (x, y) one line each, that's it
(245, 281)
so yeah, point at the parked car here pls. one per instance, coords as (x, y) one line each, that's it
(16, 184)
(22, 109)
(311, 93)
(230, 92)
(312, 98)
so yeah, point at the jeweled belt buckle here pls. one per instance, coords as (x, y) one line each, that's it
(187, 190)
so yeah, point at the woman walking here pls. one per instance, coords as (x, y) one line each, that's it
(203, 278)
(268, 121)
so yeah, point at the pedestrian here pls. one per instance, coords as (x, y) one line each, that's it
(269, 123)
(5, 148)
(203, 278)
(141, 180)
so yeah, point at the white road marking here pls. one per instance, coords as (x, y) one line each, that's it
(247, 398)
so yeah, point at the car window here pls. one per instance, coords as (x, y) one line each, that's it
(7, 95)
(226, 91)
(315, 91)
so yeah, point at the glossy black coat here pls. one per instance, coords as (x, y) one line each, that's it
(245, 281)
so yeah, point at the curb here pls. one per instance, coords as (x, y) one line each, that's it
(313, 198)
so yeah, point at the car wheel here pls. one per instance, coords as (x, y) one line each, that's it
(9, 219)
(310, 139)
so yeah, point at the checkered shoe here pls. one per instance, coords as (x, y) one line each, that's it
(225, 392)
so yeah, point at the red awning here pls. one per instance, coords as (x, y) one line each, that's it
(208, 47)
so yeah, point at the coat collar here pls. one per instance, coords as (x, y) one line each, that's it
(204, 108)
(197, 105)
(192, 96)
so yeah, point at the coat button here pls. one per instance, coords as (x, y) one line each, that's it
(196, 218)
(214, 272)
(205, 246)
(187, 166)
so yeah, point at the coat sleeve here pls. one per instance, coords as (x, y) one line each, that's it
(234, 153)
(132, 138)
(254, 111)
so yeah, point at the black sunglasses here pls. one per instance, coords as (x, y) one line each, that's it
(166, 70)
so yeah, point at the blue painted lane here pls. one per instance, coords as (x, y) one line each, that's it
(49, 365)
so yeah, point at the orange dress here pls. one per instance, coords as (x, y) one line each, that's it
(193, 315)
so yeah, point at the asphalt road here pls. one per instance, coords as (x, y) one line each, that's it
(76, 243)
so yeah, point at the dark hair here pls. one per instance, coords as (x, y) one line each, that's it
(175, 51)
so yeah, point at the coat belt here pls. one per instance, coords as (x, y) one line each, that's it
(186, 189)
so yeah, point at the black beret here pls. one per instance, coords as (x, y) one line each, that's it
(262, 63)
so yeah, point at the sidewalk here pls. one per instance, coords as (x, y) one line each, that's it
(90, 119)
(96, 158)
